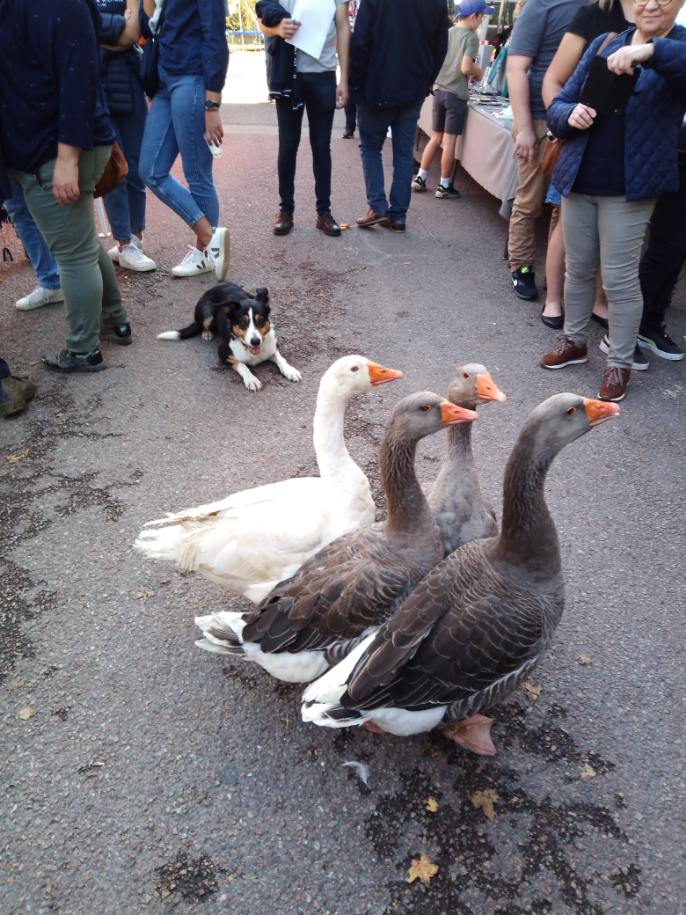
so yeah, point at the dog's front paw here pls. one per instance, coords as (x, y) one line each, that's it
(252, 383)
(292, 374)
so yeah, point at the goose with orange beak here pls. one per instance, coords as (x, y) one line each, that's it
(479, 622)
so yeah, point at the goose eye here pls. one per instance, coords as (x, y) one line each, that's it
(571, 411)
(466, 374)
(425, 408)
(355, 368)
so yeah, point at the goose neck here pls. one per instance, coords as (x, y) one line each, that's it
(328, 434)
(408, 509)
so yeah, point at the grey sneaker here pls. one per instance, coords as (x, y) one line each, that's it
(66, 361)
(447, 193)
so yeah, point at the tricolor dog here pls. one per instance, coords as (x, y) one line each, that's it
(241, 322)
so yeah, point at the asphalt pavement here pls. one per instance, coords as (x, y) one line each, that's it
(140, 774)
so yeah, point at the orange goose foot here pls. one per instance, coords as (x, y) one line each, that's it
(472, 734)
(373, 728)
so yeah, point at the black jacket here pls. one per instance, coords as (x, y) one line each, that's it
(120, 71)
(280, 57)
(396, 50)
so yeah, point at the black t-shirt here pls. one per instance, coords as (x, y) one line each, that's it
(591, 21)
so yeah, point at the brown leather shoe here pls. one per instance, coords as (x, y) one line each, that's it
(565, 352)
(373, 218)
(614, 384)
(328, 225)
(396, 225)
(283, 223)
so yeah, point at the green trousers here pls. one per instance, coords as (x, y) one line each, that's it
(91, 292)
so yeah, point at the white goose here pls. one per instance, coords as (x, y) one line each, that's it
(256, 538)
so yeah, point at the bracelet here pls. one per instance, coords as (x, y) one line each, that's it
(211, 106)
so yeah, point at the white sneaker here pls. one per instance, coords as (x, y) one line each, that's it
(132, 257)
(39, 297)
(194, 263)
(115, 252)
(219, 250)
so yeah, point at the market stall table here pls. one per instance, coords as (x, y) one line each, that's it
(485, 150)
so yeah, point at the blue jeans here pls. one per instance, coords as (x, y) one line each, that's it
(318, 92)
(125, 205)
(36, 247)
(176, 124)
(373, 125)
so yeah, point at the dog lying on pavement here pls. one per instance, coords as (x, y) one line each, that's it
(241, 322)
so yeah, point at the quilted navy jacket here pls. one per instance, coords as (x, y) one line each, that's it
(120, 70)
(653, 118)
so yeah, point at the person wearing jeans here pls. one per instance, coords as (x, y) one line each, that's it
(55, 140)
(612, 168)
(397, 50)
(299, 82)
(184, 119)
(120, 75)
(49, 289)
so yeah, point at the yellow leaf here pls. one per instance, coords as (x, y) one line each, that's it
(485, 800)
(584, 660)
(431, 804)
(588, 772)
(26, 712)
(16, 682)
(532, 690)
(18, 456)
(144, 593)
(422, 868)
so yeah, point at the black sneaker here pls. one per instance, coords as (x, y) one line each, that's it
(524, 283)
(66, 361)
(418, 184)
(447, 193)
(119, 333)
(640, 363)
(660, 343)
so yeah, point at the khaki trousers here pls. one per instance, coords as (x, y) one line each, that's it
(528, 204)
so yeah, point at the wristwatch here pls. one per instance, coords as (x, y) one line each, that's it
(211, 106)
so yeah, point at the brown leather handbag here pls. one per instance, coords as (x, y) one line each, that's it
(115, 171)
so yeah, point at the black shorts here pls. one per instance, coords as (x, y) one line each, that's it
(449, 113)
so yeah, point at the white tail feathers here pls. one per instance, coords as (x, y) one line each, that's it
(173, 543)
(221, 631)
(169, 335)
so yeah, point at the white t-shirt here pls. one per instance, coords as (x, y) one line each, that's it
(328, 59)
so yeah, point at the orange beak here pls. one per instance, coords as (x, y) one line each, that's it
(487, 389)
(598, 411)
(379, 374)
(452, 414)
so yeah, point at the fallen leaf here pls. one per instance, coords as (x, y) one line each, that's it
(16, 682)
(485, 800)
(144, 593)
(588, 772)
(26, 712)
(584, 660)
(431, 804)
(532, 690)
(422, 868)
(18, 456)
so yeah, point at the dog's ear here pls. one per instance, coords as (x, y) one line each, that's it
(262, 294)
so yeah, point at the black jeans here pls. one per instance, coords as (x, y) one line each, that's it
(664, 257)
(350, 117)
(318, 92)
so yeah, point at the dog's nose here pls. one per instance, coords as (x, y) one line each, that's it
(255, 341)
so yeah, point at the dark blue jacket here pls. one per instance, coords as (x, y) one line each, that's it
(193, 40)
(49, 86)
(396, 51)
(120, 71)
(653, 118)
(280, 55)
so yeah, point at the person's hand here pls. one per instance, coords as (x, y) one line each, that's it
(624, 60)
(65, 181)
(342, 95)
(287, 28)
(214, 132)
(525, 144)
(127, 14)
(582, 117)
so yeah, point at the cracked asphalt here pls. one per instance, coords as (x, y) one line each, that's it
(142, 775)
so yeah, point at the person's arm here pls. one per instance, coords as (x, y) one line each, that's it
(119, 33)
(343, 49)
(518, 90)
(469, 66)
(275, 21)
(562, 65)
(215, 60)
(664, 55)
(132, 29)
(560, 115)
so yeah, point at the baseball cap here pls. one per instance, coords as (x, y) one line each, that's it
(469, 7)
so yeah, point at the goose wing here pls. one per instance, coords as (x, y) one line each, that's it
(352, 584)
(463, 630)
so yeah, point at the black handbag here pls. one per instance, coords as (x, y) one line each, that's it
(150, 61)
